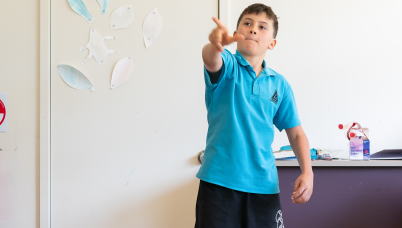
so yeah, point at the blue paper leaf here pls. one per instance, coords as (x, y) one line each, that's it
(104, 4)
(80, 8)
(74, 78)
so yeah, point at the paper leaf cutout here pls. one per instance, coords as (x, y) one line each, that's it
(80, 8)
(122, 17)
(104, 4)
(74, 78)
(97, 47)
(122, 72)
(152, 27)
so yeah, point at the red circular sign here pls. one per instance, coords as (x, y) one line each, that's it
(2, 112)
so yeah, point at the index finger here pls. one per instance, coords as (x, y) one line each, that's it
(220, 24)
(297, 185)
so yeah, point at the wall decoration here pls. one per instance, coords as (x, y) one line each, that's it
(122, 17)
(80, 8)
(97, 47)
(74, 78)
(152, 27)
(122, 72)
(103, 4)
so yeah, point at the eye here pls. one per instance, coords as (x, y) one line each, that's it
(263, 27)
(247, 23)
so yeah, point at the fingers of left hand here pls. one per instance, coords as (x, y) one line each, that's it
(304, 197)
(297, 192)
(297, 185)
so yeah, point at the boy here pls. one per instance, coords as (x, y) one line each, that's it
(245, 99)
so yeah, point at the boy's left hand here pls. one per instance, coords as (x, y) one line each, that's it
(303, 188)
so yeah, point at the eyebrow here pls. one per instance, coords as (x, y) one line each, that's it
(260, 21)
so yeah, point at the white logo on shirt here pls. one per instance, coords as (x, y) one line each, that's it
(279, 220)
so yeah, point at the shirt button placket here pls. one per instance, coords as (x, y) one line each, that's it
(255, 83)
(255, 87)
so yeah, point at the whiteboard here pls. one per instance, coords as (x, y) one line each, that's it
(342, 59)
(127, 157)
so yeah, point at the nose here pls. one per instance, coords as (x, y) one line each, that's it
(252, 32)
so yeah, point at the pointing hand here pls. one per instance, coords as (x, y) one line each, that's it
(220, 37)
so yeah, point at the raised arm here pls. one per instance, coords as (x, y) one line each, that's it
(219, 37)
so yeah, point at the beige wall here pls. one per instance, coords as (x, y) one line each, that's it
(19, 78)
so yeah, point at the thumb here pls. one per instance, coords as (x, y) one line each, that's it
(238, 37)
(235, 38)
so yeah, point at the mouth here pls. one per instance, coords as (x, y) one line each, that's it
(250, 39)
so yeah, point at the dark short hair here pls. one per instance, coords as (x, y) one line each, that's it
(261, 8)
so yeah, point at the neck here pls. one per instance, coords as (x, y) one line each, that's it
(255, 62)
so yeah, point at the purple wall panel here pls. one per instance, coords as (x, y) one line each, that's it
(345, 197)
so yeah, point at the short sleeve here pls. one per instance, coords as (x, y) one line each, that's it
(214, 76)
(287, 116)
(226, 70)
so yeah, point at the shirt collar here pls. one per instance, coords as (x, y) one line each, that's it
(243, 62)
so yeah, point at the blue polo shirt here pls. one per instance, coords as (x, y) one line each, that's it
(242, 111)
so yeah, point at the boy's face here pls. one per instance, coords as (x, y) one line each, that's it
(258, 34)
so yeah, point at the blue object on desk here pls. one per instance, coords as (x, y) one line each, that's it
(285, 148)
(313, 153)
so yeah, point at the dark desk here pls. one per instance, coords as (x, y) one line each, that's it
(346, 194)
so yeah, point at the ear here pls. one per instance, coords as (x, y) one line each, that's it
(272, 44)
(234, 33)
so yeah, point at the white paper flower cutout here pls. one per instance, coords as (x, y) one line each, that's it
(122, 17)
(97, 47)
(122, 72)
(152, 27)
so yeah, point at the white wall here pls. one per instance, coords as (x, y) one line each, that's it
(19, 78)
(342, 59)
(127, 157)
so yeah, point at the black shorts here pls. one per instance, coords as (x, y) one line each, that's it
(220, 207)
